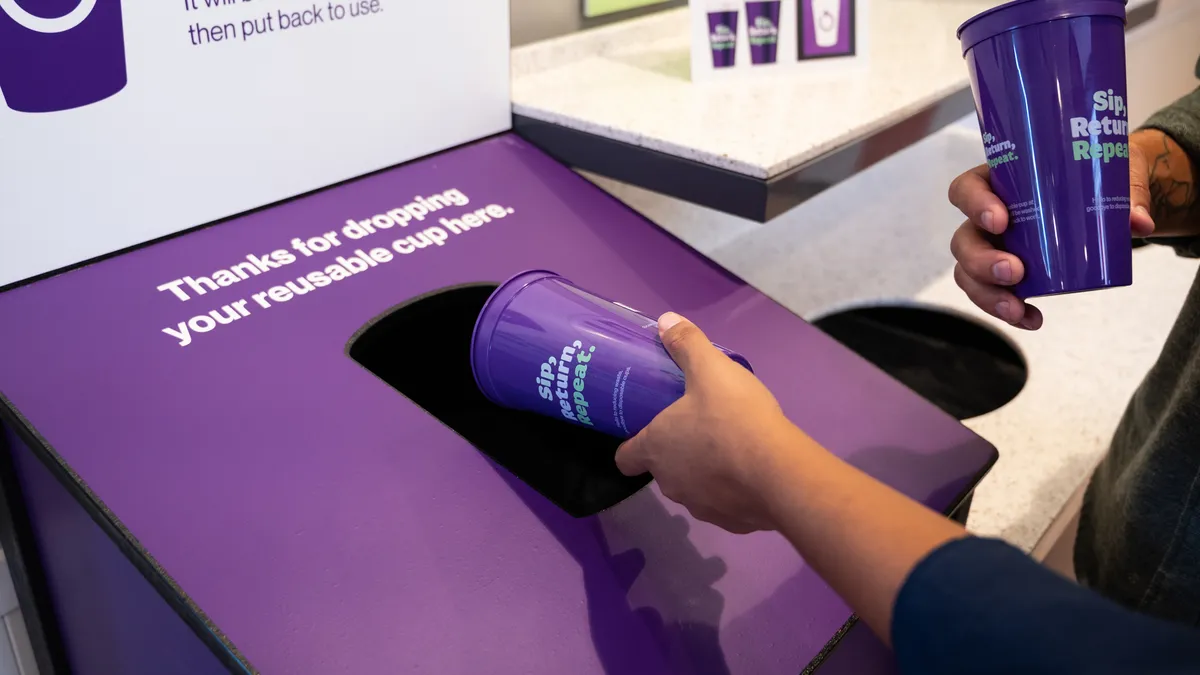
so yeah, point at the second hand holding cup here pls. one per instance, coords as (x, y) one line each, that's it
(544, 345)
(1049, 84)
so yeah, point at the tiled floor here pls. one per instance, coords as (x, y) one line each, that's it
(16, 656)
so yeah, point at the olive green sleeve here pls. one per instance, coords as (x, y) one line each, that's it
(1181, 121)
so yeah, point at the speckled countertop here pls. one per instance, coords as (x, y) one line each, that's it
(630, 82)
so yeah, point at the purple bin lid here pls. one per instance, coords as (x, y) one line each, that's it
(1018, 13)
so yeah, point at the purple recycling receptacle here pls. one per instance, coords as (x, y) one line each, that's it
(218, 483)
(60, 54)
(1049, 84)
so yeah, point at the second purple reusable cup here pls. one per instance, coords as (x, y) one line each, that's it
(544, 345)
(1049, 84)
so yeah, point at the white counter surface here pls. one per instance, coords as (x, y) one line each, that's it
(630, 82)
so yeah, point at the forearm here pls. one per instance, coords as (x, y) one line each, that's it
(1172, 182)
(861, 536)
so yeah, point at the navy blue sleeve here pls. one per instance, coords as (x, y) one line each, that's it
(981, 606)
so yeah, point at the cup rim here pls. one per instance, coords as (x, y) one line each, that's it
(489, 318)
(1020, 13)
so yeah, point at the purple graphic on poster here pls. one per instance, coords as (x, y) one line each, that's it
(762, 29)
(722, 36)
(1052, 107)
(826, 28)
(60, 54)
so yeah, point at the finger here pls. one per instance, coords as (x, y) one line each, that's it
(972, 194)
(996, 301)
(982, 261)
(1140, 221)
(686, 343)
(631, 457)
(1032, 319)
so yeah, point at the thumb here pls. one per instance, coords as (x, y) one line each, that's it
(1140, 221)
(631, 458)
(686, 344)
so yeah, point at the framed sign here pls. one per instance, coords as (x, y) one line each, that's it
(750, 37)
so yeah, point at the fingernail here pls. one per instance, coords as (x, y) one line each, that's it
(1027, 324)
(667, 321)
(1003, 310)
(1002, 271)
(987, 220)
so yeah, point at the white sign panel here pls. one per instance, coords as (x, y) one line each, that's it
(123, 121)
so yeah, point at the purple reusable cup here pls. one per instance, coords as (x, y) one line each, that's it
(545, 345)
(762, 30)
(60, 54)
(1049, 84)
(722, 32)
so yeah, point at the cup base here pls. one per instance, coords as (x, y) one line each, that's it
(1027, 295)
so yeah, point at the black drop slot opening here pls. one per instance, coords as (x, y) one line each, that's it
(962, 366)
(422, 348)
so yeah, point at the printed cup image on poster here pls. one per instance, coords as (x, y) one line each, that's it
(79, 54)
(732, 38)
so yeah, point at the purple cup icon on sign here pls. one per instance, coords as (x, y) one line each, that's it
(826, 28)
(60, 54)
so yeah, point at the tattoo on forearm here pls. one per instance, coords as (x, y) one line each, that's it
(1172, 185)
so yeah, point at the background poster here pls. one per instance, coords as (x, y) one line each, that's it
(124, 121)
(738, 38)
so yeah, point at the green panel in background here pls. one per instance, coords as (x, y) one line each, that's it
(594, 8)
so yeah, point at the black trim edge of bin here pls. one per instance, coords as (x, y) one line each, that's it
(738, 194)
